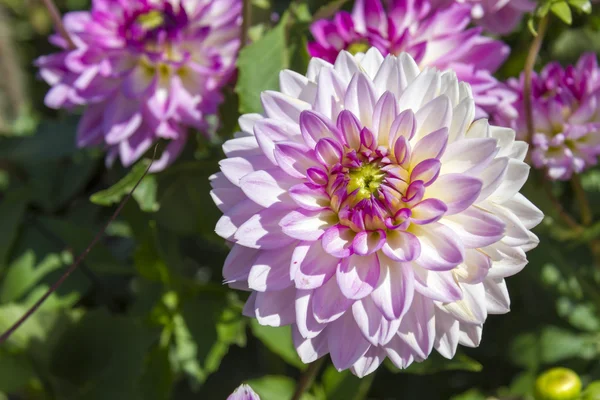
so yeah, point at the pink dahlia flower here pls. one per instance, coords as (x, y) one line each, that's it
(566, 117)
(369, 211)
(496, 16)
(244, 392)
(145, 70)
(434, 37)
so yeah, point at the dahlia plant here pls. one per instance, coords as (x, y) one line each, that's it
(434, 36)
(369, 210)
(243, 392)
(144, 70)
(566, 117)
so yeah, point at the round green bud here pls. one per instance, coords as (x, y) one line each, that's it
(592, 391)
(558, 384)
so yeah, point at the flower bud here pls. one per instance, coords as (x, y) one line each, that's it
(558, 384)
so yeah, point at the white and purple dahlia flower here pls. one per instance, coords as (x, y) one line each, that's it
(244, 392)
(144, 70)
(433, 36)
(368, 209)
(566, 117)
(496, 16)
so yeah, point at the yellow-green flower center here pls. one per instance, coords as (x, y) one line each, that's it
(151, 20)
(358, 47)
(366, 179)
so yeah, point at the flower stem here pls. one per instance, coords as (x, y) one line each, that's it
(560, 211)
(6, 335)
(534, 50)
(584, 204)
(307, 378)
(58, 23)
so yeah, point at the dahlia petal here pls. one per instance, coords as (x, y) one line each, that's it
(294, 158)
(305, 224)
(476, 227)
(330, 93)
(516, 175)
(492, 177)
(462, 117)
(470, 335)
(431, 146)
(328, 152)
(475, 267)
(420, 91)
(360, 98)
(311, 349)
(309, 197)
(368, 319)
(346, 343)
(417, 329)
(433, 116)
(292, 83)
(346, 66)
(401, 246)
(369, 362)
(267, 187)
(271, 270)
(312, 266)
(440, 248)
(315, 127)
(350, 126)
(337, 241)
(305, 319)
(403, 126)
(262, 231)
(496, 295)
(524, 210)
(121, 120)
(426, 171)
(457, 191)
(235, 217)
(384, 115)
(237, 167)
(275, 308)
(238, 263)
(428, 211)
(366, 243)
(507, 260)
(447, 333)
(269, 131)
(401, 354)
(329, 303)
(358, 275)
(389, 78)
(471, 308)
(436, 285)
(241, 147)
(281, 107)
(394, 292)
(468, 156)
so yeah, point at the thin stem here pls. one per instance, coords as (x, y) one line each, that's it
(58, 23)
(307, 378)
(246, 22)
(584, 204)
(534, 50)
(77, 262)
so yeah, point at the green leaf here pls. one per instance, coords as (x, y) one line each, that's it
(145, 193)
(16, 372)
(32, 329)
(272, 387)
(24, 273)
(344, 385)
(562, 11)
(472, 394)
(279, 341)
(12, 209)
(584, 6)
(158, 378)
(102, 357)
(259, 65)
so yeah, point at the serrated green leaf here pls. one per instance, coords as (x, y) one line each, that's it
(279, 341)
(562, 11)
(259, 65)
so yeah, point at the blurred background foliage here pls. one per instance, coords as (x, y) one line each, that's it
(146, 316)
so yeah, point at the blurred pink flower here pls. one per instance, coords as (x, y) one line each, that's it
(244, 392)
(496, 16)
(144, 70)
(433, 36)
(566, 117)
(368, 209)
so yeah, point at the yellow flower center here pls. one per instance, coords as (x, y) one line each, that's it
(151, 20)
(358, 47)
(366, 179)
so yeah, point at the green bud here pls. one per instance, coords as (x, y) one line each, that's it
(558, 384)
(592, 391)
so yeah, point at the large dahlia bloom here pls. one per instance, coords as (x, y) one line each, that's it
(566, 117)
(368, 210)
(497, 16)
(145, 70)
(433, 36)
